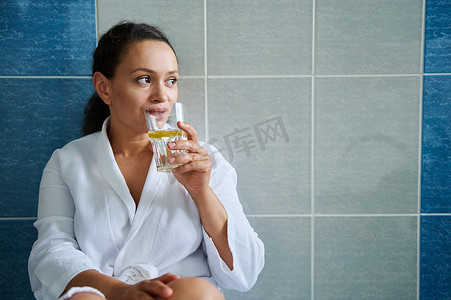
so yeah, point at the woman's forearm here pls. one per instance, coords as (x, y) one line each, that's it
(110, 287)
(214, 220)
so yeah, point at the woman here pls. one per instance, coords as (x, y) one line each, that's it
(109, 224)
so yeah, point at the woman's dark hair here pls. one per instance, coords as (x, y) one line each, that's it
(109, 53)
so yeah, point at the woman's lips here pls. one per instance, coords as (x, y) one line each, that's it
(158, 112)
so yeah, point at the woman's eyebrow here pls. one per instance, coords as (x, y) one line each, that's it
(151, 71)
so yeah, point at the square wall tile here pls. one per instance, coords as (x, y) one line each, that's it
(435, 257)
(182, 22)
(16, 239)
(192, 94)
(263, 127)
(367, 37)
(367, 136)
(47, 37)
(436, 151)
(39, 115)
(365, 258)
(437, 44)
(286, 274)
(259, 37)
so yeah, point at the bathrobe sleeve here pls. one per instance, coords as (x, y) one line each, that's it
(247, 249)
(55, 257)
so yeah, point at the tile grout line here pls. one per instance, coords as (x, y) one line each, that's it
(17, 218)
(235, 76)
(309, 75)
(302, 216)
(436, 74)
(357, 215)
(47, 77)
(97, 20)
(420, 141)
(205, 77)
(312, 157)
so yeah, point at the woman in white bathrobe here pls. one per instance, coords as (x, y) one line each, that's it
(109, 224)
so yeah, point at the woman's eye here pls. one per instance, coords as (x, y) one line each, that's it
(172, 81)
(145, 80)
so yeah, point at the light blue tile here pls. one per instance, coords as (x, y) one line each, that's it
(263, 127)
(259, 37)
(435, 260)
(182, 21)
(39, 115)
(437, 43)
(436, 151)
(192, 93)
(365, 258)
(16, 239)
(286, 274)
(367, 37)
(367, 143)
(47, 37)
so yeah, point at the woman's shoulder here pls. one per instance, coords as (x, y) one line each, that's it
(83, 143)
(80, 147)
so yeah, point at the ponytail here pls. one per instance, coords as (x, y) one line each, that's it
(95, 113)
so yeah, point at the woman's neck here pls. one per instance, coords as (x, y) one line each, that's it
(126, 142)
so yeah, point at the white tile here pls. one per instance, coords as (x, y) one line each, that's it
(367, 37)
(259, 37)
(286, 274)
(366, 258)
(274, 172)
(182, 21)
(367, 140)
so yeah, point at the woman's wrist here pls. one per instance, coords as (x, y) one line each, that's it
(111, 288)
(81, 289)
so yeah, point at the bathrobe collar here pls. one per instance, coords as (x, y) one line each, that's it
(114, 178)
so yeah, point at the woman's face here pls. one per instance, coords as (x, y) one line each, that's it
(147, 74)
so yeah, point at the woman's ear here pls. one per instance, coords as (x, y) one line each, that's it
(101, 84)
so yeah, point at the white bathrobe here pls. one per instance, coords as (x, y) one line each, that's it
(87, 219)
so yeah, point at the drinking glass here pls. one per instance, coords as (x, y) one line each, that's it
(161, 119)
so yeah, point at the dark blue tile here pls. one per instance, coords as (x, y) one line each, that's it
(47, 37)
(436, 150)
(435, 257)
(437, 44)
(16, 239)
(38, 116)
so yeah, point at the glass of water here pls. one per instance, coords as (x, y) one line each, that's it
(162, 119)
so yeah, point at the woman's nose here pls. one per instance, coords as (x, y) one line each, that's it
(159, 93)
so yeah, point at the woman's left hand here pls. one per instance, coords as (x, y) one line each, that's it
(195, 172)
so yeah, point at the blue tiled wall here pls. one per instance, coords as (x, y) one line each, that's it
(40, 115)
(46, 49)
(435, 268)
(46, 37)
(16, 239)
(437, 44)
(435, 241)
(436, 161)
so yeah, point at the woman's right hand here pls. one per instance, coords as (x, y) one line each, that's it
(150, 289)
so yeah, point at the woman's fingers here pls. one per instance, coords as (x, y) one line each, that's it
(196, 159)
(152, 289)
(190, 131)
(188, 145)
(199, 167)
(168, 277)
(156, 288)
